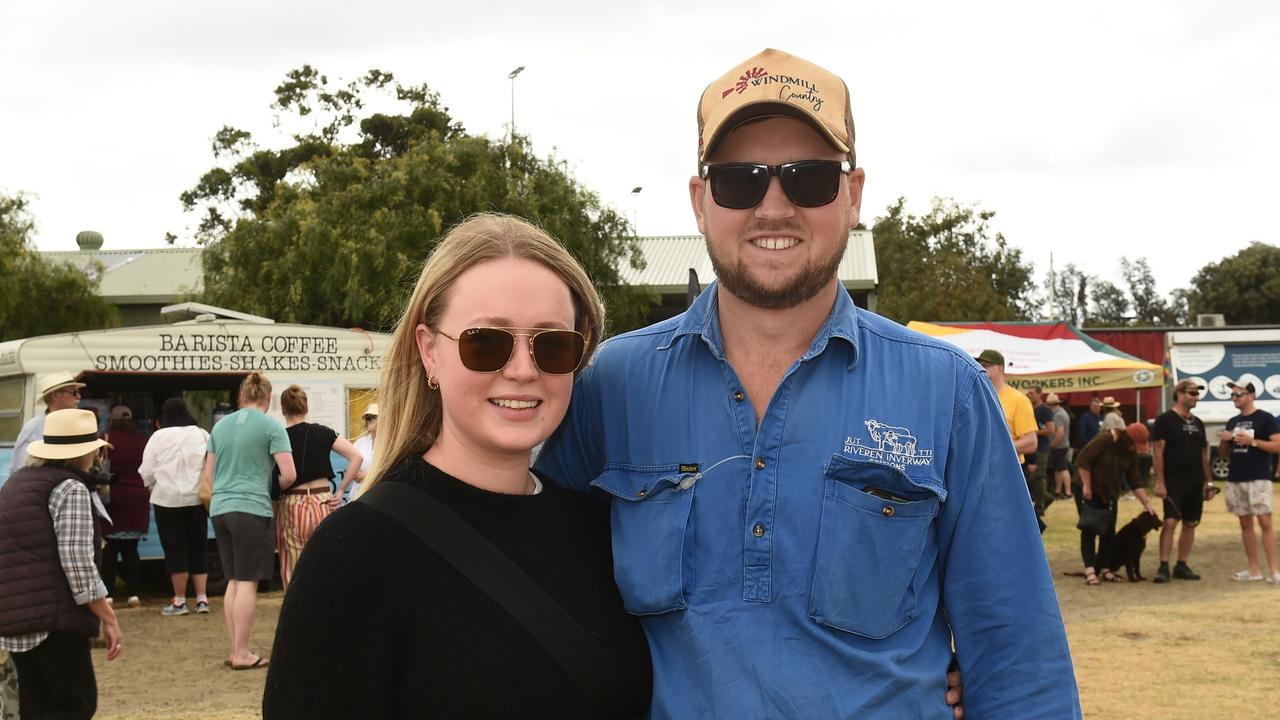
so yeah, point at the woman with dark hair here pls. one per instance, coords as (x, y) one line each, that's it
(171, 469)
(311, 499)
(127, 506)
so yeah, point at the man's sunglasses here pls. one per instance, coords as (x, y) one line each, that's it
(807, 183)
(1192, 393)
(489, 349)
(1238, 394)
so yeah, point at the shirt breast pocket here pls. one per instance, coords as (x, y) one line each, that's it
(652, 536)
(872, 540)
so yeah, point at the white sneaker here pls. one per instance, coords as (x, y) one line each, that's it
(1244, 576)
(133, 601)
(1274, 579)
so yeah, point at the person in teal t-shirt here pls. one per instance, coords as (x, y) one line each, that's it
(242, 448)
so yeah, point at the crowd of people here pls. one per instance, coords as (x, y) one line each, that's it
(791, 526)
(1110, 459)
(58, 572)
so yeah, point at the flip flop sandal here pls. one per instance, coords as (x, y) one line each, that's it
(1091, 578)
(1108, 576)
(261, 662)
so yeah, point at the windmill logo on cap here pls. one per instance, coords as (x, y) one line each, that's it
(747, 77)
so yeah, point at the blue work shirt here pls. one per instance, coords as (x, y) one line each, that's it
(820, 565)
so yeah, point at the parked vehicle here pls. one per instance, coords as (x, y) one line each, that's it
(1218, 356)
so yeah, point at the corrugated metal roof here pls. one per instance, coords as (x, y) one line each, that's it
(160, 275)
(166, 275)
(669, 258)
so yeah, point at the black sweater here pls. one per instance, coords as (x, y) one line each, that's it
(377, 625)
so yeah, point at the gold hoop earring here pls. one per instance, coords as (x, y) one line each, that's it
(431, 382)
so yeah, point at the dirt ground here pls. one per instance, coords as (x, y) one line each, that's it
(1208, 649)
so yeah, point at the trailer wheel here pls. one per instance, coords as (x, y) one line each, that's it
(1219, 466)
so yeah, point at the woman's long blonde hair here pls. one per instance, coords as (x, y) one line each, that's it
(410, 414)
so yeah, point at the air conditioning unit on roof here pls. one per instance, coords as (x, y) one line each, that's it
(1211, 320)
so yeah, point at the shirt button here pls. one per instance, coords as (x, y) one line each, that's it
(759, 463)
(887, 511)
(739, 396)
(642, 493)
(758, 530)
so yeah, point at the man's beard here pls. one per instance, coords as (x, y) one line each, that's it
(811, 279)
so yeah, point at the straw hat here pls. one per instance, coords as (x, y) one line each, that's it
(67, 434)
(371, 410)
(1109, 402)
(57, 381)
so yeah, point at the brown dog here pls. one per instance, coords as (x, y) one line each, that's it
(1127, 545)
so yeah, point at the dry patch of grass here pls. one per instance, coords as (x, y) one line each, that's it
(1207, 649)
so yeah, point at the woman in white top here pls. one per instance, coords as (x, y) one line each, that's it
(364, 444)
(171, 465)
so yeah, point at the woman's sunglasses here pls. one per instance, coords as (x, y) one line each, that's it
(808, 183)
(489, 349)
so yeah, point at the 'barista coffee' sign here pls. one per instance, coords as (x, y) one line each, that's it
(233, 352)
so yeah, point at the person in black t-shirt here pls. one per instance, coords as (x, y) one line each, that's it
(1250, 440)
(1181, 454)
(309, 500)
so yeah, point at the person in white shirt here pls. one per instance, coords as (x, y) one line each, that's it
(171, 465)
(364, 444)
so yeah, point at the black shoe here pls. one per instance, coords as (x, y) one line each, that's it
(1182, 572)
(1162, 575)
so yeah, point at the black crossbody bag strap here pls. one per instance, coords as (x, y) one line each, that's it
(455, 540)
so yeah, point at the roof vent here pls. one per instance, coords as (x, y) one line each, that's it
(1211, 320)
(89, 240)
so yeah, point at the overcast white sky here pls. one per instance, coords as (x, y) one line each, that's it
(1094, 130)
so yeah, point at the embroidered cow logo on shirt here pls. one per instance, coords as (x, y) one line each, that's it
(893, 445)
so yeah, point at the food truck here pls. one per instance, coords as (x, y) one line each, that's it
(202, 359)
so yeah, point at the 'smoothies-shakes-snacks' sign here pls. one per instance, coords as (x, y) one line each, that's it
(232, 352)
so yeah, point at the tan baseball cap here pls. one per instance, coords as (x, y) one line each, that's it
(771, 84)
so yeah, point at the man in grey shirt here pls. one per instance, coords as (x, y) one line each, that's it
(58, 391)
(1061, 445)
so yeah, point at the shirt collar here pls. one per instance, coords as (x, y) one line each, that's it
(703, 319)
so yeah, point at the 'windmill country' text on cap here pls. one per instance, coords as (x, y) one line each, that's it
(770, 84)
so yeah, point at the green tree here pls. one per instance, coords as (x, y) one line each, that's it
(947, 266)
(332, 228)
(1068, 295)
(1085, 300)
(40, 297)
(1110, 305)
(1244, 287)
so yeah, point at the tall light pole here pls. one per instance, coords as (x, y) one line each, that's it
(512, 78)
(635, 223)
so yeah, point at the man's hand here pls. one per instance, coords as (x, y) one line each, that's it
(115, 639)
(1161, 490)
(955, 692)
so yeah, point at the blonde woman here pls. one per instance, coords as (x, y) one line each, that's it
(242, 448)
(310, 499)
(480, 371)
(53, 601)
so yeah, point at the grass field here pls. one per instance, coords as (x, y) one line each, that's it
(1207, 649)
